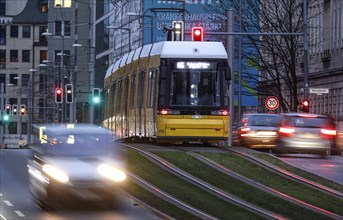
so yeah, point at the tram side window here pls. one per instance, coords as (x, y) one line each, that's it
(141, 88)
(133, 89)
(119, 96)
(151, 88)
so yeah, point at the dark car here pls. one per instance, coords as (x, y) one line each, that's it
(257, 130)
(307, 133)
(74, 162)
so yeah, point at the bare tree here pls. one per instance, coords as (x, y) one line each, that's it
(275, 56)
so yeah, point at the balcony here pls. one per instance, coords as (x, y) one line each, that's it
(325, 55)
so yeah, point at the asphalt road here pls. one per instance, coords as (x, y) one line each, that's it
(16, 203)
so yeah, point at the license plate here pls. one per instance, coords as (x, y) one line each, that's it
(196, 116)
(266, 133)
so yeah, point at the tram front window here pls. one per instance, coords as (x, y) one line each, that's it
(195, 84)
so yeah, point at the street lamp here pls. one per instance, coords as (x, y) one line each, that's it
(151, 23)
(91, 82)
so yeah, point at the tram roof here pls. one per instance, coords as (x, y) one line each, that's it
(173, 49)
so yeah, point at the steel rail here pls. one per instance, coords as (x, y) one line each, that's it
(228, 197)
(265, 188)
(288, 174)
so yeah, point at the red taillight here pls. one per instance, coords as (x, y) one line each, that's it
(244, 131)
(328, 133)
(164, 112)
(287, 132)
(225, 112)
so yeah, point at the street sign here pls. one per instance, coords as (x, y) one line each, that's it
(319, 90)
(272, 103)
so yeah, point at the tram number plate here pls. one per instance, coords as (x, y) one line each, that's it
(196, 116)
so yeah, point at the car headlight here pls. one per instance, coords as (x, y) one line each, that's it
(55, 173)
(111, 172)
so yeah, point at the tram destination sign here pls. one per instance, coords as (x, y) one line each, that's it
(319, 90)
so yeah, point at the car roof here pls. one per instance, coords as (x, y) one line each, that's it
(305, 114)
(60, 129)
(266, 114)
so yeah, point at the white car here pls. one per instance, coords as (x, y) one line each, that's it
(74, 162)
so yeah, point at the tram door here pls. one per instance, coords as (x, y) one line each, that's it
(141, 86)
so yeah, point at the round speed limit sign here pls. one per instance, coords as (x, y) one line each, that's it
(272, 103)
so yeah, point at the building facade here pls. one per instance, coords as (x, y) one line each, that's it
(21, 50)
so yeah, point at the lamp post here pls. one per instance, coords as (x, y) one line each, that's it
(31, 104)
(91, 66)
(151, 23)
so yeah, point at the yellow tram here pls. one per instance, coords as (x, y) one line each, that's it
(169, 91)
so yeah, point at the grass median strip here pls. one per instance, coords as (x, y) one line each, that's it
(184, 190)
(300, 172)
(236, 187)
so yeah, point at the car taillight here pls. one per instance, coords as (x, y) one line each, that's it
(287, 132)
(328, 133)
(244, 131)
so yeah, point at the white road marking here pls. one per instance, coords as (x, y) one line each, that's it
(19, 213)
(3, 217)
(8, 203)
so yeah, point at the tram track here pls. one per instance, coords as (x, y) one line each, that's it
(262, 212)
(208, 187)
(260, 186)
(286, 173)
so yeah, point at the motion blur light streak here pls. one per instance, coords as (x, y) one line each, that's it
(55, 173)
(111, 172)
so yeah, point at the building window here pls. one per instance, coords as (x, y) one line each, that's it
(2, 59)
(12, 128)
(14, 79)
(43, 55)
(43, 29)
(25, 80)
(44, 7)
(63, 3)
(66, 57)
(2, 34)
(58, 28)
(13, 55)
(14, 31)
(2, 7)
(26, 31)
(25, 56)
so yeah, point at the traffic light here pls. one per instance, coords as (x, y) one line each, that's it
(8, 109)
(14, 109)
(22, 109)
(69, 93)
(305, 104)
(197, 33)
(58, 95)
(96, 95)
(177, 31)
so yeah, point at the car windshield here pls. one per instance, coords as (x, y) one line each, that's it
(264, 120)
(77, 145)
(309, 122)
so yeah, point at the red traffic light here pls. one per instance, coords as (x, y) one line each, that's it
(197, 33)
(306, 103)
(58, 95)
